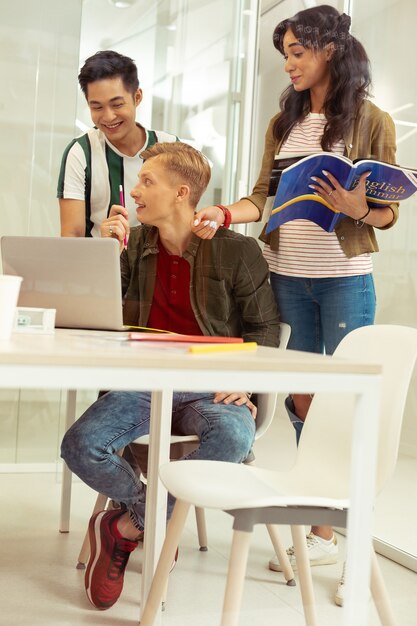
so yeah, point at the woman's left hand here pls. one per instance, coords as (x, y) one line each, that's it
(237, 397)
(352, 203)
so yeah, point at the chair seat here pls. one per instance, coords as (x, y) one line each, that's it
(238, 486)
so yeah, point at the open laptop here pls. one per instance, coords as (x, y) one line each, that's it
(79, 277)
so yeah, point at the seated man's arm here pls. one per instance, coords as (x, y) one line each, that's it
(72, 213)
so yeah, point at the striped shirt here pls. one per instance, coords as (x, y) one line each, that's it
(92, 170)
(305, 249)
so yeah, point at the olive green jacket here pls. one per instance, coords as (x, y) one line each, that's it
(372, 136)
(230, 292)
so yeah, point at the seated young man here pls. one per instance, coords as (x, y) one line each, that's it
(176, 281)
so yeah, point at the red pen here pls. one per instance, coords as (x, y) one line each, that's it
(122, 202)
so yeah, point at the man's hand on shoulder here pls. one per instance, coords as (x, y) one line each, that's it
(236, 397)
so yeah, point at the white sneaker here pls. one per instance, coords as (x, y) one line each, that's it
(339, 596)
(320, 552)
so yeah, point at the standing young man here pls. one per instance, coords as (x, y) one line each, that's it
(96, 164)
(173, 280)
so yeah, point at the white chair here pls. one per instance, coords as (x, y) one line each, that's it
(320, 477)
(266, 404)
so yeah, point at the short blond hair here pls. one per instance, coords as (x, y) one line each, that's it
(186, 163)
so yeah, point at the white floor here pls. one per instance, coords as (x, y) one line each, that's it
(41, 587)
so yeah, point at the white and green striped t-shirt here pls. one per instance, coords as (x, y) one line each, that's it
(92, 170)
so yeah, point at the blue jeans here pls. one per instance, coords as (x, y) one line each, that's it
(90, 446)
(321, 311)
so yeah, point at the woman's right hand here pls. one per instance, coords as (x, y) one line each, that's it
(207, 221)
(116, 225)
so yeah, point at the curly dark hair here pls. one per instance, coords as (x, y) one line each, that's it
(350, 74)
(109, 64)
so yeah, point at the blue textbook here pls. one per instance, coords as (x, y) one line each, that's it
(295, 200)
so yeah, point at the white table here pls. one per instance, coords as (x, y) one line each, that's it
(74, 359)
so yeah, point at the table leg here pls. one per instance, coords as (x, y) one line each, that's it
(360, 515)
(66, 473)
(156, 502)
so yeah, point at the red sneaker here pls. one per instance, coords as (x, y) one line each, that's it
(108, 559)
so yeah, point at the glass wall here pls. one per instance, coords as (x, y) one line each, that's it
(38, 61)
(395, 92)
(39, 49)
(193, 69)
(387, 30)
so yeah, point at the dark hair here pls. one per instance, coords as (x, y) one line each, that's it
(109, 64)
(185, 163)
(350, 75)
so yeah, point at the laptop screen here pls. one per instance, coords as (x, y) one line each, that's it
(79, 277)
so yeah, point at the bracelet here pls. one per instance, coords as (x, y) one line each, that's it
(227, 215)
(360, 222)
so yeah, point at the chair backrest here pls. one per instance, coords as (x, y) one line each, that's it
(266, 402)
(325, 444)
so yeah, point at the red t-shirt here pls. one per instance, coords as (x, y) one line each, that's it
(171, 307)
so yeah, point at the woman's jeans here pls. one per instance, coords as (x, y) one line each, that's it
(226, 433)
(321, 311)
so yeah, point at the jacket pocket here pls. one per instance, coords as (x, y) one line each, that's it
(215, 300)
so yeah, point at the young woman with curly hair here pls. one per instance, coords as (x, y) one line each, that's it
(322, 281)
